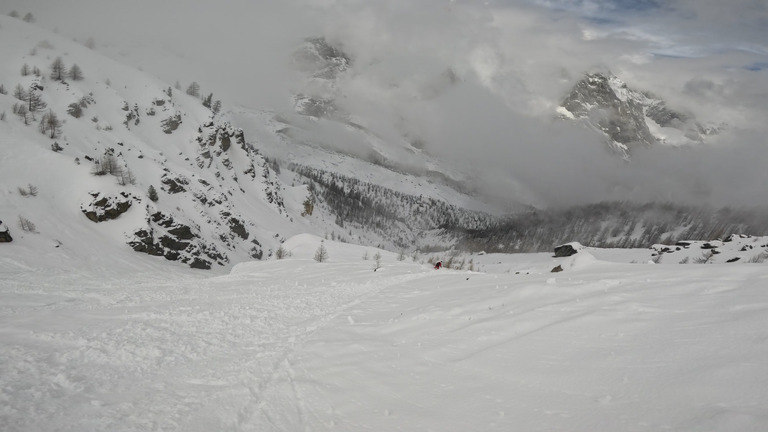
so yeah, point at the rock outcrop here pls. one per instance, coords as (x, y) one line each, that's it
(104, 207)
(626, 115)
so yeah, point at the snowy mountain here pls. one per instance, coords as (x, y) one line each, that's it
(101, 157)
(320, 224)
(124, 160)
(96, 153)
(629, 118)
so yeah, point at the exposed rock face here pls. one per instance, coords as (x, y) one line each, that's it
(103, 208)
(175, 241)
(174, 185)
(624, 114)
(219, 138)
(323, 63)
(172, 123)
(609, 105)
(321, 59)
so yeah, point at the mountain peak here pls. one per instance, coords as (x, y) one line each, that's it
(629, 118)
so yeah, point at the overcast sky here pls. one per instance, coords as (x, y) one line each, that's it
(514, 60)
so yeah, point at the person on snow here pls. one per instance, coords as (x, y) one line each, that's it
(438, 265)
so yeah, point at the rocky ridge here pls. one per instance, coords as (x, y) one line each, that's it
(628, 118)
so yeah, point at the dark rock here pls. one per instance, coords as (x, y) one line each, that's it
(104, 208)
(238, 228)
(565, 250)
(557, 269)
(182, 232)
(171, 123)
(226, 142)
(733, 259)
(145, 243)
(201, 264)
(5, 236)
(174, 185)
(174, 244)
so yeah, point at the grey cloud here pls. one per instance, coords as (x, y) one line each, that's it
(477, 83)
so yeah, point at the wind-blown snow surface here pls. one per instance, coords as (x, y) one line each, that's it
(298, 345)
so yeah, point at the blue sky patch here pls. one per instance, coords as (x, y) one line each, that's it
(757, 66)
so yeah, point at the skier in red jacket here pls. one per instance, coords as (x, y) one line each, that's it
(439, 265)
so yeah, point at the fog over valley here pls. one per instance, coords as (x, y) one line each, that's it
(477, 84)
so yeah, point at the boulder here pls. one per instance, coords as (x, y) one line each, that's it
(5, 236)
(103, 207)
(567, 250)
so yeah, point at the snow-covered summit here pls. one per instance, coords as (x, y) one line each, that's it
(629, 118)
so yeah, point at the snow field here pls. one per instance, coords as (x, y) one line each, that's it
(300, 345)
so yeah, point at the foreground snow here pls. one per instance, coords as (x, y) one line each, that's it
(299, 345)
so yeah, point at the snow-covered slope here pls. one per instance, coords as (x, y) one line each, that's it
(294, 344)
(119, 133)
(221, 196)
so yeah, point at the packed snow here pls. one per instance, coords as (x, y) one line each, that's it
(614, 342)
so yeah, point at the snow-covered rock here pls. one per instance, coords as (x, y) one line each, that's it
(629, 118)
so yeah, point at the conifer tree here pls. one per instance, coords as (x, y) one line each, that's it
(75, 73)
(50, 124)
(207, 100)
(19, 93)
(34, 100)
(321, 254)
(152, 194)
(58, 69)
(194, 89)
(22, 112)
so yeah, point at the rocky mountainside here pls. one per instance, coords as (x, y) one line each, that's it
(105, 162)
(629, 118)
(98, 156)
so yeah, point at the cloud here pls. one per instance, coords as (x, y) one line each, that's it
(477, 83)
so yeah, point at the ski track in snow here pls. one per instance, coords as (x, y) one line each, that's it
(97, 353)
(295, 345)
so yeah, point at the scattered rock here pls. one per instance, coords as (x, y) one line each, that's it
(171, 123)
(174, 185)
(175, 242)
(104, 208)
